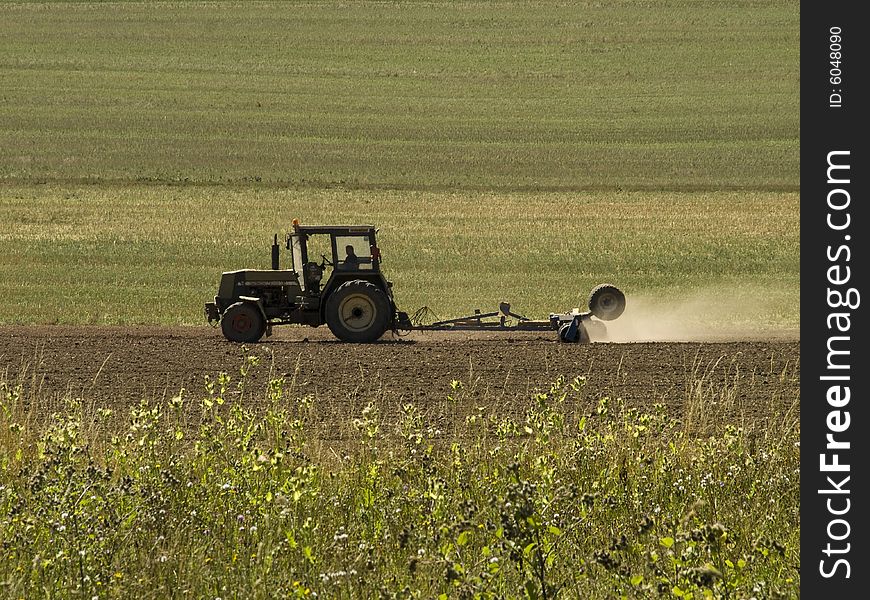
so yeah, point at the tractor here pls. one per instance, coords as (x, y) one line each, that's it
(356, 300)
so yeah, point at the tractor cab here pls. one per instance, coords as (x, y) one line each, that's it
(324, 257)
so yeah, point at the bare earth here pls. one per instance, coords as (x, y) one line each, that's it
(119, 366)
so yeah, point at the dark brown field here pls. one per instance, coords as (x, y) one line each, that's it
(118, 366)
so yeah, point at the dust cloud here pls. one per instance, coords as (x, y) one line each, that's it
(701, 315)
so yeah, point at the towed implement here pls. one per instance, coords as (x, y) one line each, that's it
(346, 291)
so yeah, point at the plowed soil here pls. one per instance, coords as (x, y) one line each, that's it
(118, 366)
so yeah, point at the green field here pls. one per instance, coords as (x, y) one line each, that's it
(109, 254)
(520, 151)
(507, 95)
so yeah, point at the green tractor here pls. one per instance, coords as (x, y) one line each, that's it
(355, 302)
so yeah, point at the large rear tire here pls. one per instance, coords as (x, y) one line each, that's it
(607, 302)
(358, 311)
(243, 322)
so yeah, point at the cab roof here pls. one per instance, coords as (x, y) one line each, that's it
(334, 229)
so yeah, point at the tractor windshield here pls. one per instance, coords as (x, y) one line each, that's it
(297, 256)
(353, 252)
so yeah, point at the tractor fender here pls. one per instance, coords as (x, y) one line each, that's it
(258, 302)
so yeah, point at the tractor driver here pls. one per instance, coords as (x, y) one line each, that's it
(351, 261)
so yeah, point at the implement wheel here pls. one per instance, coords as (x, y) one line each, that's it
(607, 302)
(358, 311)
(243, 322)
(574, 335)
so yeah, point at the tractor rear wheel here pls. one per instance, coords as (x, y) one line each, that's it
(243, 322)
(607, 302)
(358, 311)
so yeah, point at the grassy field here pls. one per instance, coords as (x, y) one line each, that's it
(520, 151)
(535, 95)
(145, 254)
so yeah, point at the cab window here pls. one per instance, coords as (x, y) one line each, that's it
(353, 252)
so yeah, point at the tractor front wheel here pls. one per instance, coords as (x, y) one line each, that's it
(358, 311)
(243, 322)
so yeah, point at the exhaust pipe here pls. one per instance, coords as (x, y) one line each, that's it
(275, 265)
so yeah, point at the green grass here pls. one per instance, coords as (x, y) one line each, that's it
(671, 95)
(154, 254)
(204, 495)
